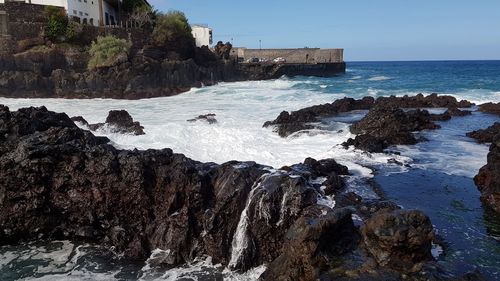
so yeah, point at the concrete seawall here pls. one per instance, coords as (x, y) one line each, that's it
(301, 55)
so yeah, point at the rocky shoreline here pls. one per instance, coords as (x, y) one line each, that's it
(61, 182)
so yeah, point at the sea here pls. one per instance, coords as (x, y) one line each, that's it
(435, 176)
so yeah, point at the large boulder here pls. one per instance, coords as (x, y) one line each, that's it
(312, 244)
(401, 240)
(118, 121)
(385, 126)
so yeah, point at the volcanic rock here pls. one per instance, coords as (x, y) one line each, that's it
(288, 123)
(312, 244)
(488, 178)
(120, 121)
(493, 108)
(58, 181)
(400, 240)
(209, 118)
(80, 120)
(420, 101)
(486, 135)
(384, 126)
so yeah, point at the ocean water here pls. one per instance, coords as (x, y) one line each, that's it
(439, 170)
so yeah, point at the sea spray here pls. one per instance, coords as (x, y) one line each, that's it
(240, 243)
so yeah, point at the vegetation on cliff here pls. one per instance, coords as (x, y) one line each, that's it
(108, 51)
(173, 32)
(57, 23)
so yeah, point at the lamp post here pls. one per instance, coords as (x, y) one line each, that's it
(260, 44)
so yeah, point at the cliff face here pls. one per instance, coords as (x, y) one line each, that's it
(63, 74)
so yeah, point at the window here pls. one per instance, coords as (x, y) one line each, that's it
(85, 1)
(81, 13)
(74, 12)
(86, 14)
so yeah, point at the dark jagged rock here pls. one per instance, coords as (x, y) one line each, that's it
(120, 121)
(385, 126)
(400, 240)
(486, 135)
(492, 108)
(488, 178)
(453, 111)
(312, 244)
(420, 101)
(80, 120)
(209, 118)
(58, 181)
(289, 123)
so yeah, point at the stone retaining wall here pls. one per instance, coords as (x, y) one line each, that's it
(304, 55)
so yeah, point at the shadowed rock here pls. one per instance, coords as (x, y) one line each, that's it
(493, 108)
(486, 135)
(488, 178)
(385, 126)
(288, 123)
(58, 181)
(120, 121)
(209, 118)
(400, 239)
(312, 244)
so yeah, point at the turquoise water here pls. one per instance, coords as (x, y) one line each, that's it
(437, 178)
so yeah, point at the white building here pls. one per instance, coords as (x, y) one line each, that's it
(94, 12)
(202, 35)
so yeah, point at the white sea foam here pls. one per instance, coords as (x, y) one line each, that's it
(379, 78)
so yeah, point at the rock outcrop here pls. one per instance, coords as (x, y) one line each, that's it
(485, 135)
(118, 121)
(385, 126)
(304, 119)
(401, 240)
(488, 178)
(288, 123)
(59, 73)
(209, 118)
(58, 181)
(492, 108)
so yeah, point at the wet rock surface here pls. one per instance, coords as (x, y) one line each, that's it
(288, 123)
(384, 126)
(488, 178)
(118, 121)
(400, 239)
(485, 135)
(209, 118)
(58, 181)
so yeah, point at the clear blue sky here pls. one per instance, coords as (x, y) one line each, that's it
(366, 29)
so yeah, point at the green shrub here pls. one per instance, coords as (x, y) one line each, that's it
(108, 51)
(57, 23)
(173, 32)
(73, 31)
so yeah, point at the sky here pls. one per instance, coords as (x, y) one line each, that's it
(368, 30)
